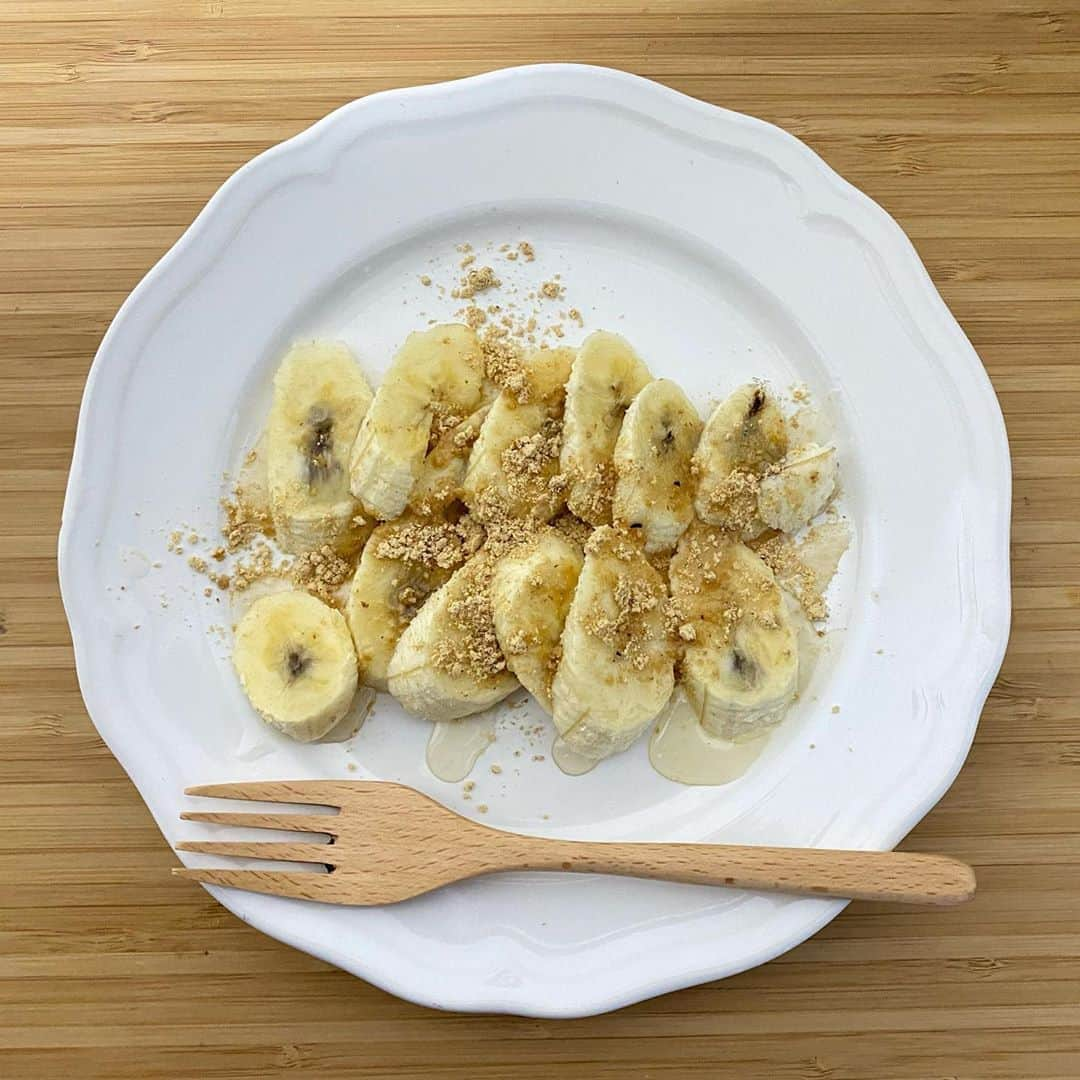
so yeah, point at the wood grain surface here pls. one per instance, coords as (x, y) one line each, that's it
(119, 118)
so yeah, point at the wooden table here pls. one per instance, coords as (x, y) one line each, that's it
(118, 119)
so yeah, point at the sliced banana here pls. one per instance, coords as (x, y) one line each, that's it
(296, 662)
(516, 457)
(804, 567)
(740, 660)
(448, 663)
(320, 398)
(435, 381)
(403, 563)
(439, 482)
(745, 435)
(617, 666)
(530, 596)
(606, 377)
(654, 489)
(822, 548)
(800, 489)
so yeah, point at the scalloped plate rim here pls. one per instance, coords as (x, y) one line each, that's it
(908, 274)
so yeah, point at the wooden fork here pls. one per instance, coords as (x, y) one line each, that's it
(385, 842)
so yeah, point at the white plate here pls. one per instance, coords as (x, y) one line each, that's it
(724, 249)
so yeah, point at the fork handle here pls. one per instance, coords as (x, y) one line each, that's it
(896, 876)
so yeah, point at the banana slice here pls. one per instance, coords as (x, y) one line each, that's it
(740, 661)
(606, 377)
(800, 490)
(296, 662)
(516, 457)
(439, 483)
(654, 489)
(745, 435)
(805, 567)
(448, 663)
(821, 549)
(435, 381)
(320, 398)
(617, 666)
(403, 563)
(530, 596)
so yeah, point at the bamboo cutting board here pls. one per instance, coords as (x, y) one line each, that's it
(119, 118)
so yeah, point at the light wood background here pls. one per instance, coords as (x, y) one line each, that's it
(119, 118)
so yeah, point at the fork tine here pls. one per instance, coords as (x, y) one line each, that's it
(312, 853)
(307, 823)
(313, 792)
(301, 885)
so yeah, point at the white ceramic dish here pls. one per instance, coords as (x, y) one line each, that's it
(724, 248)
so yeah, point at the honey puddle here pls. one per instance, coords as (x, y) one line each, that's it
(681, 750)
(569, 760)
(455, 746)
